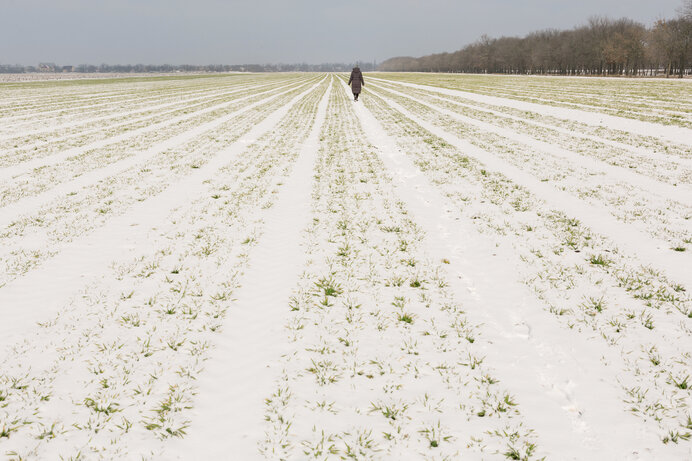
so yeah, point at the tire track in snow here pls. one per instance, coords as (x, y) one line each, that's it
(228, 416)
(31, 204)
(648, 250)
(671, 133)
(564, 390)
(87, 259)
(681, 193)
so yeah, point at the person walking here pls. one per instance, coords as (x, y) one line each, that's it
(356, 81)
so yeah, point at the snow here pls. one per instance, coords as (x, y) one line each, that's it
(23, 168)
(681, 192)
(672, 133)
(258, 267)
(230, 406)
(83, 261)
(559, 379)
(598, 218)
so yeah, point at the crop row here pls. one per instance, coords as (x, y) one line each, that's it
(639, 100)
(87, 100)
(41, 129)
(88, 159)
(581, 277)
(666, 219)
(31, 239)
(114, 372)
(33, 149)
(372, 312)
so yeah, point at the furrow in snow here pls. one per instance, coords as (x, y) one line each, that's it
(641, 153)
(566, 392)
(658, 254)
(228, 414)
(670, 133)
(83, 109)
(85, 259)
(681, 193)
(172, 99)
(14, 171)
(30, 204)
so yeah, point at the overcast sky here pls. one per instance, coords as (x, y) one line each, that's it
(273, 31)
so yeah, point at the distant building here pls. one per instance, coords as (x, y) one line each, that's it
(68, 68)
(46, 67)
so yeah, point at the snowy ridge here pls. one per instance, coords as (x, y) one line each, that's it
(27, 205)
(259, 267)
(634, 242)
(87, 257)
(565, 398)
(682, 193)
(672, 133)
(232, 393)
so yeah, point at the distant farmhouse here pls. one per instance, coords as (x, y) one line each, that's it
(46, 67)
(51, 67)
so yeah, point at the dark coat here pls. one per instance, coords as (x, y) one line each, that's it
(356, 80)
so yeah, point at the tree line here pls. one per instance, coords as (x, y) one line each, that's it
(602, 47)
(168, 68)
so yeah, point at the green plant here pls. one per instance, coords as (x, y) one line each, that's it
(329, 286)
(600, 260)
(405, 317)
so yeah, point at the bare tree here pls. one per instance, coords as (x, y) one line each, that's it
(602, 47)
(685, 10)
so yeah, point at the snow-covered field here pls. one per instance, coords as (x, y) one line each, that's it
(48, 76)
(257, 267)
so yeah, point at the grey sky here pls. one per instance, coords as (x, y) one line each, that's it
(272, 31)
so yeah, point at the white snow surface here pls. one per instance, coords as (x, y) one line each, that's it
(258, 267)
(672, 133)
